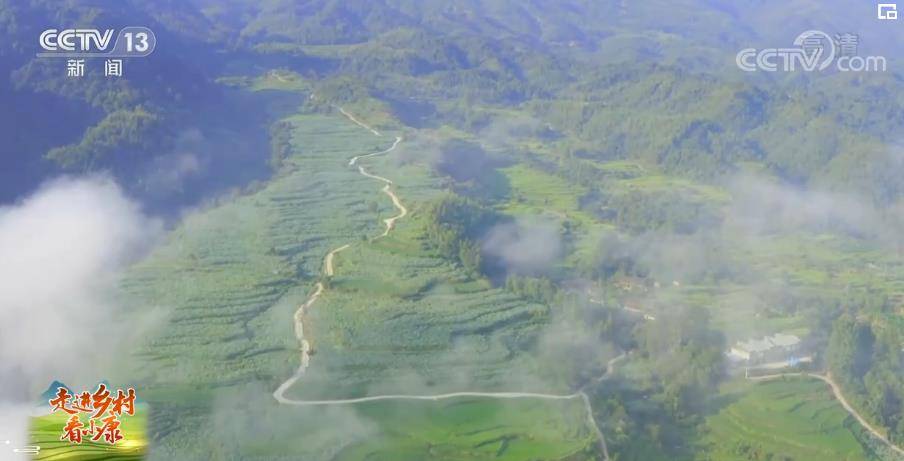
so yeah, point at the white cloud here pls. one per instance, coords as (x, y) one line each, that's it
(766, 206)
(525, 246)
(61, 252)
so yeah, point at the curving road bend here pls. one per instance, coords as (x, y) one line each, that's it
(836, 390)
(387, 189)
(304, 345)
(279, 393)
(354, 159)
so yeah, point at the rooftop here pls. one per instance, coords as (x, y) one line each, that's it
(768, 342)
(781, 339)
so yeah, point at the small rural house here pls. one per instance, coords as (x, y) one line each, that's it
(775, 348)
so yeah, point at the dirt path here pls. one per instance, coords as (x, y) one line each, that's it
(591, 421)
(304, 344)
(359, 123)
(279, 393)
(279, 76)
(387, 189)
(390, 222)
(836, 390)
(355, 159)
(328, 262)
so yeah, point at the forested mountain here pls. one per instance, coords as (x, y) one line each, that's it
(164, 111)
(553, 58)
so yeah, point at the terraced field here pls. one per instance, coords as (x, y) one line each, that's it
(394, 317)
(476, 429)
(221, 272)
(412, 321)
(790, 419)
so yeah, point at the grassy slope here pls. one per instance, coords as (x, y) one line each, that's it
(475, 429)
(398, 318)
(795, 418)
(231, 276)
(537, 193)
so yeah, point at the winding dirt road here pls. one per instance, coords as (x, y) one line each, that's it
(387, 189)
(836, 390)
(328, 262)
(279, 393)
(359, 123)
(328, 268)
(355, 159)
(304, 345)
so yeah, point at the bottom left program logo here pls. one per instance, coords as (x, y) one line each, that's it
(93, 424)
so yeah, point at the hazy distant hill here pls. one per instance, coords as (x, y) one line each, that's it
(497, 51)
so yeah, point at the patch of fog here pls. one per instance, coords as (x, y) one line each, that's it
(764, 206)
(63, 249)
(525, 246)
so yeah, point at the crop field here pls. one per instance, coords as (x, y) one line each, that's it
(413, 321)
(535, 193)
(795, 419)
(476, 429)
(223, 287)
(222, 272)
